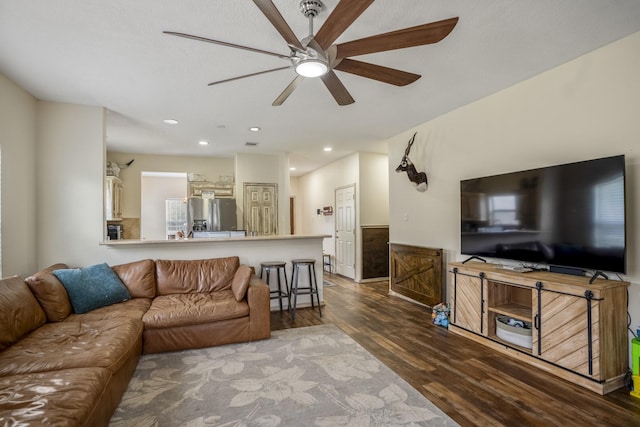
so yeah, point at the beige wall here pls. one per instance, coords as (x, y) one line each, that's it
(294, 192)
(368, 172)
(317, 189)
(266, 169)
(584, 109)
(70, 181)
(18, 204)
(70, 216)
(156, 190)
(210, 167)
(374, 189)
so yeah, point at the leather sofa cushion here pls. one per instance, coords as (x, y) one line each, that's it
(169, 311)
(240, 282)
(50, 293)
(64, 345)
(54, 398)
(139, 277)
(20, 312)
(131, 309)
(206, 275)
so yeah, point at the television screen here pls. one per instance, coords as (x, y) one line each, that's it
(570, 215)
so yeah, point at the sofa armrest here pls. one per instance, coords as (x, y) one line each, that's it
(258, 298)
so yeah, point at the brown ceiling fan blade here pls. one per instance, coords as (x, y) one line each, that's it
(247, 75)
(341, 17)
(287, 91)
(408, 37)
(377, 72)
(273, 15)
(218, 42)
(337, 89)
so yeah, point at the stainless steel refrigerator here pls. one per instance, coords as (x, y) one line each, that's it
(211, 214)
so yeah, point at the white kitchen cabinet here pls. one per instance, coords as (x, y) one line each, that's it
(113, 198)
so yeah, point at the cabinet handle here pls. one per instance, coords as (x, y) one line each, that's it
(536, 321)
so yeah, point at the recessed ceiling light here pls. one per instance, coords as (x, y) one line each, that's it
(292, 168)
(203, 142)
(254, 129)
(170, 121)
(328, 148)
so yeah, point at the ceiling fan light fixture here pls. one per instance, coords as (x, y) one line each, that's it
(312, 67)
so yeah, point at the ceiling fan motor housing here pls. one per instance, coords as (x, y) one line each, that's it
(311, 8)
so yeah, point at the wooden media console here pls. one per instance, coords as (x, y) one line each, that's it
(578, 329)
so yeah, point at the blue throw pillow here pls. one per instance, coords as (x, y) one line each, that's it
(92, 287)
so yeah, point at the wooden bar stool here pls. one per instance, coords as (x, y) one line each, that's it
(278, 267)
(310, 290)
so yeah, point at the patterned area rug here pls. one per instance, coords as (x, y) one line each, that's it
(300, 377)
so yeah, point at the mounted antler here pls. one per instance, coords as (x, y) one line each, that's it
(419, 179)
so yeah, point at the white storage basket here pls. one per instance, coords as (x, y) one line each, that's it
(513, 334)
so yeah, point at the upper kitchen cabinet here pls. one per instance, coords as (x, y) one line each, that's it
(113, 198)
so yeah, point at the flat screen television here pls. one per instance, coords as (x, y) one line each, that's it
(570, 215)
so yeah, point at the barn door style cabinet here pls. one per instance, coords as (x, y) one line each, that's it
(417, 273)
(578, 329)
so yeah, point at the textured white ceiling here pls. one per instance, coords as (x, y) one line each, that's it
(114, 54)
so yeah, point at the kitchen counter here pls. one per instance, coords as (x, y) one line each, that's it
(252, 251)
(212, 240)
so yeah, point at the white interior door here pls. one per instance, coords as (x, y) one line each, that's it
(345, 231)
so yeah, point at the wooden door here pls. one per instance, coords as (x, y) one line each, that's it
(467, 307)
(261, 209)
(561, 332)
(375, 252)
(346, 231)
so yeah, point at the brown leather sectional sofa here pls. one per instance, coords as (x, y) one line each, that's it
(66, 369)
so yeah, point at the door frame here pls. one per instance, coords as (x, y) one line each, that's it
(292, 214)
(355, 229)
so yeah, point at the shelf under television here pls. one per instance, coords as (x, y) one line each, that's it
(517, 311)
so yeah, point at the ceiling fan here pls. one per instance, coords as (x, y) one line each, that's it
(317, 56)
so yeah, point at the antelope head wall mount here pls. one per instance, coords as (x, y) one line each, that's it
(419, 179)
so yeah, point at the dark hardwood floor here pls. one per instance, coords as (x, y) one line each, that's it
(474, 385)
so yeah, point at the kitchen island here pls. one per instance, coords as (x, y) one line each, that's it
(252, 250)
